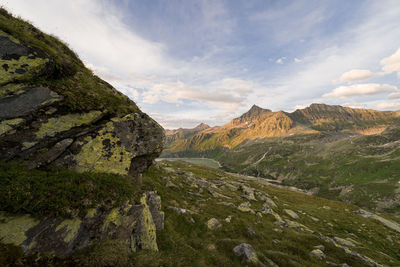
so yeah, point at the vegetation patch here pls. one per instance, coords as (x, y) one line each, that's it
(60, 192)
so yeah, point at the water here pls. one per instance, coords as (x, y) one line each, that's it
(199, 161)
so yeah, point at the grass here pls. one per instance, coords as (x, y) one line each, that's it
(186, 241)
(67, 74)
(59, 192)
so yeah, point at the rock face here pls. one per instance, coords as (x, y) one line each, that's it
(39, 127)
(56, 112)
(132, 224)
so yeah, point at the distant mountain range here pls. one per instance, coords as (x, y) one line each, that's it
(335, 152)
(263, 123)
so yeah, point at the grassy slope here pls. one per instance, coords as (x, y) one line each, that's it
(371, 164)
(186, 243)
(83, 90)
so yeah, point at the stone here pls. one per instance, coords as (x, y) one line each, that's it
(317, 253)
(249, 192)
(246, 253)
(154, 202)
(228, 219)
(270, 203)
(344, 242)
(181, 211)
(245, 207)
(388, 223)
(30, 101)
(250, 230)
(213, 224)
(320, 247)
(291, 213)
(132, 224)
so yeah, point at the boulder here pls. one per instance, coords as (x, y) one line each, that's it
(246, 253)
(317, 253)
(213, 224)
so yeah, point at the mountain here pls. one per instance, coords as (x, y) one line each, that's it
(331, 151)
(263, 123)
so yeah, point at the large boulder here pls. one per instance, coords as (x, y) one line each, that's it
(43, 121)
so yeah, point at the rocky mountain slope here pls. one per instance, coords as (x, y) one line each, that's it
(335, 152)
(263, 123)
(71, 147)
(211, 215)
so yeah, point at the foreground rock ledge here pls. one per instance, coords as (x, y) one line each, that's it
(134, 225)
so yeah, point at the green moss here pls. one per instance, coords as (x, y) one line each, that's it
(114, 217)
(91, 213)
(71, 228)
(8, 125)
(11, 89)
(66, 122)
(59, 192)
(104, 153)
(30, 66)
(13, 228)
(148, 237)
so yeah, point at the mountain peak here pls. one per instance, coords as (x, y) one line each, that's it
(201, 126)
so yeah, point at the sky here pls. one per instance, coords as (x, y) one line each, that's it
(190, 61)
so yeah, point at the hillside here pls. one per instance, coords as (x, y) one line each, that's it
(335, 152)
(210, 214)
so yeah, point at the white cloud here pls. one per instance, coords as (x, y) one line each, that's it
(356, 75)
(388, 105)
(280, 60)
(392, 63)
(296, 60)
(394, 96)
(227, 93)
(360, 90)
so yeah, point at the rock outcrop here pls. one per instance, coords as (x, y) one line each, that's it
(56, 112)
(41, 125)
(131, 224)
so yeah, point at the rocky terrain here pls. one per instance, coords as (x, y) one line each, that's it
(213, 218)
(71, 148)
(331, 151)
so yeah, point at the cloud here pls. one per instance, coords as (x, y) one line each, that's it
(392, 63)
(280, 60)
(394, 96)
(356, 75)
(360, 90)
(296, 60)
(228, 93)
(388, 105)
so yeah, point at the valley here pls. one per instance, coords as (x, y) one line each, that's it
(334, 152)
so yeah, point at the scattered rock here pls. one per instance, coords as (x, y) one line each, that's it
(213, 224)
(181, 211)
(251, 230)
(228, 219)
(317, 253)
(388, 223)
(320, 247)
(327, 207)
(291, 213)
(344, 242)
(227, 204)
(270, 203)
(170, 184)
(211, 247)
(246, 253)
(245, 207)
(249, 192)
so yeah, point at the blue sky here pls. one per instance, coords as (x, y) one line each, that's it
(185, 62)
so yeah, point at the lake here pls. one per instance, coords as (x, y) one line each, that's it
(199, 161)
